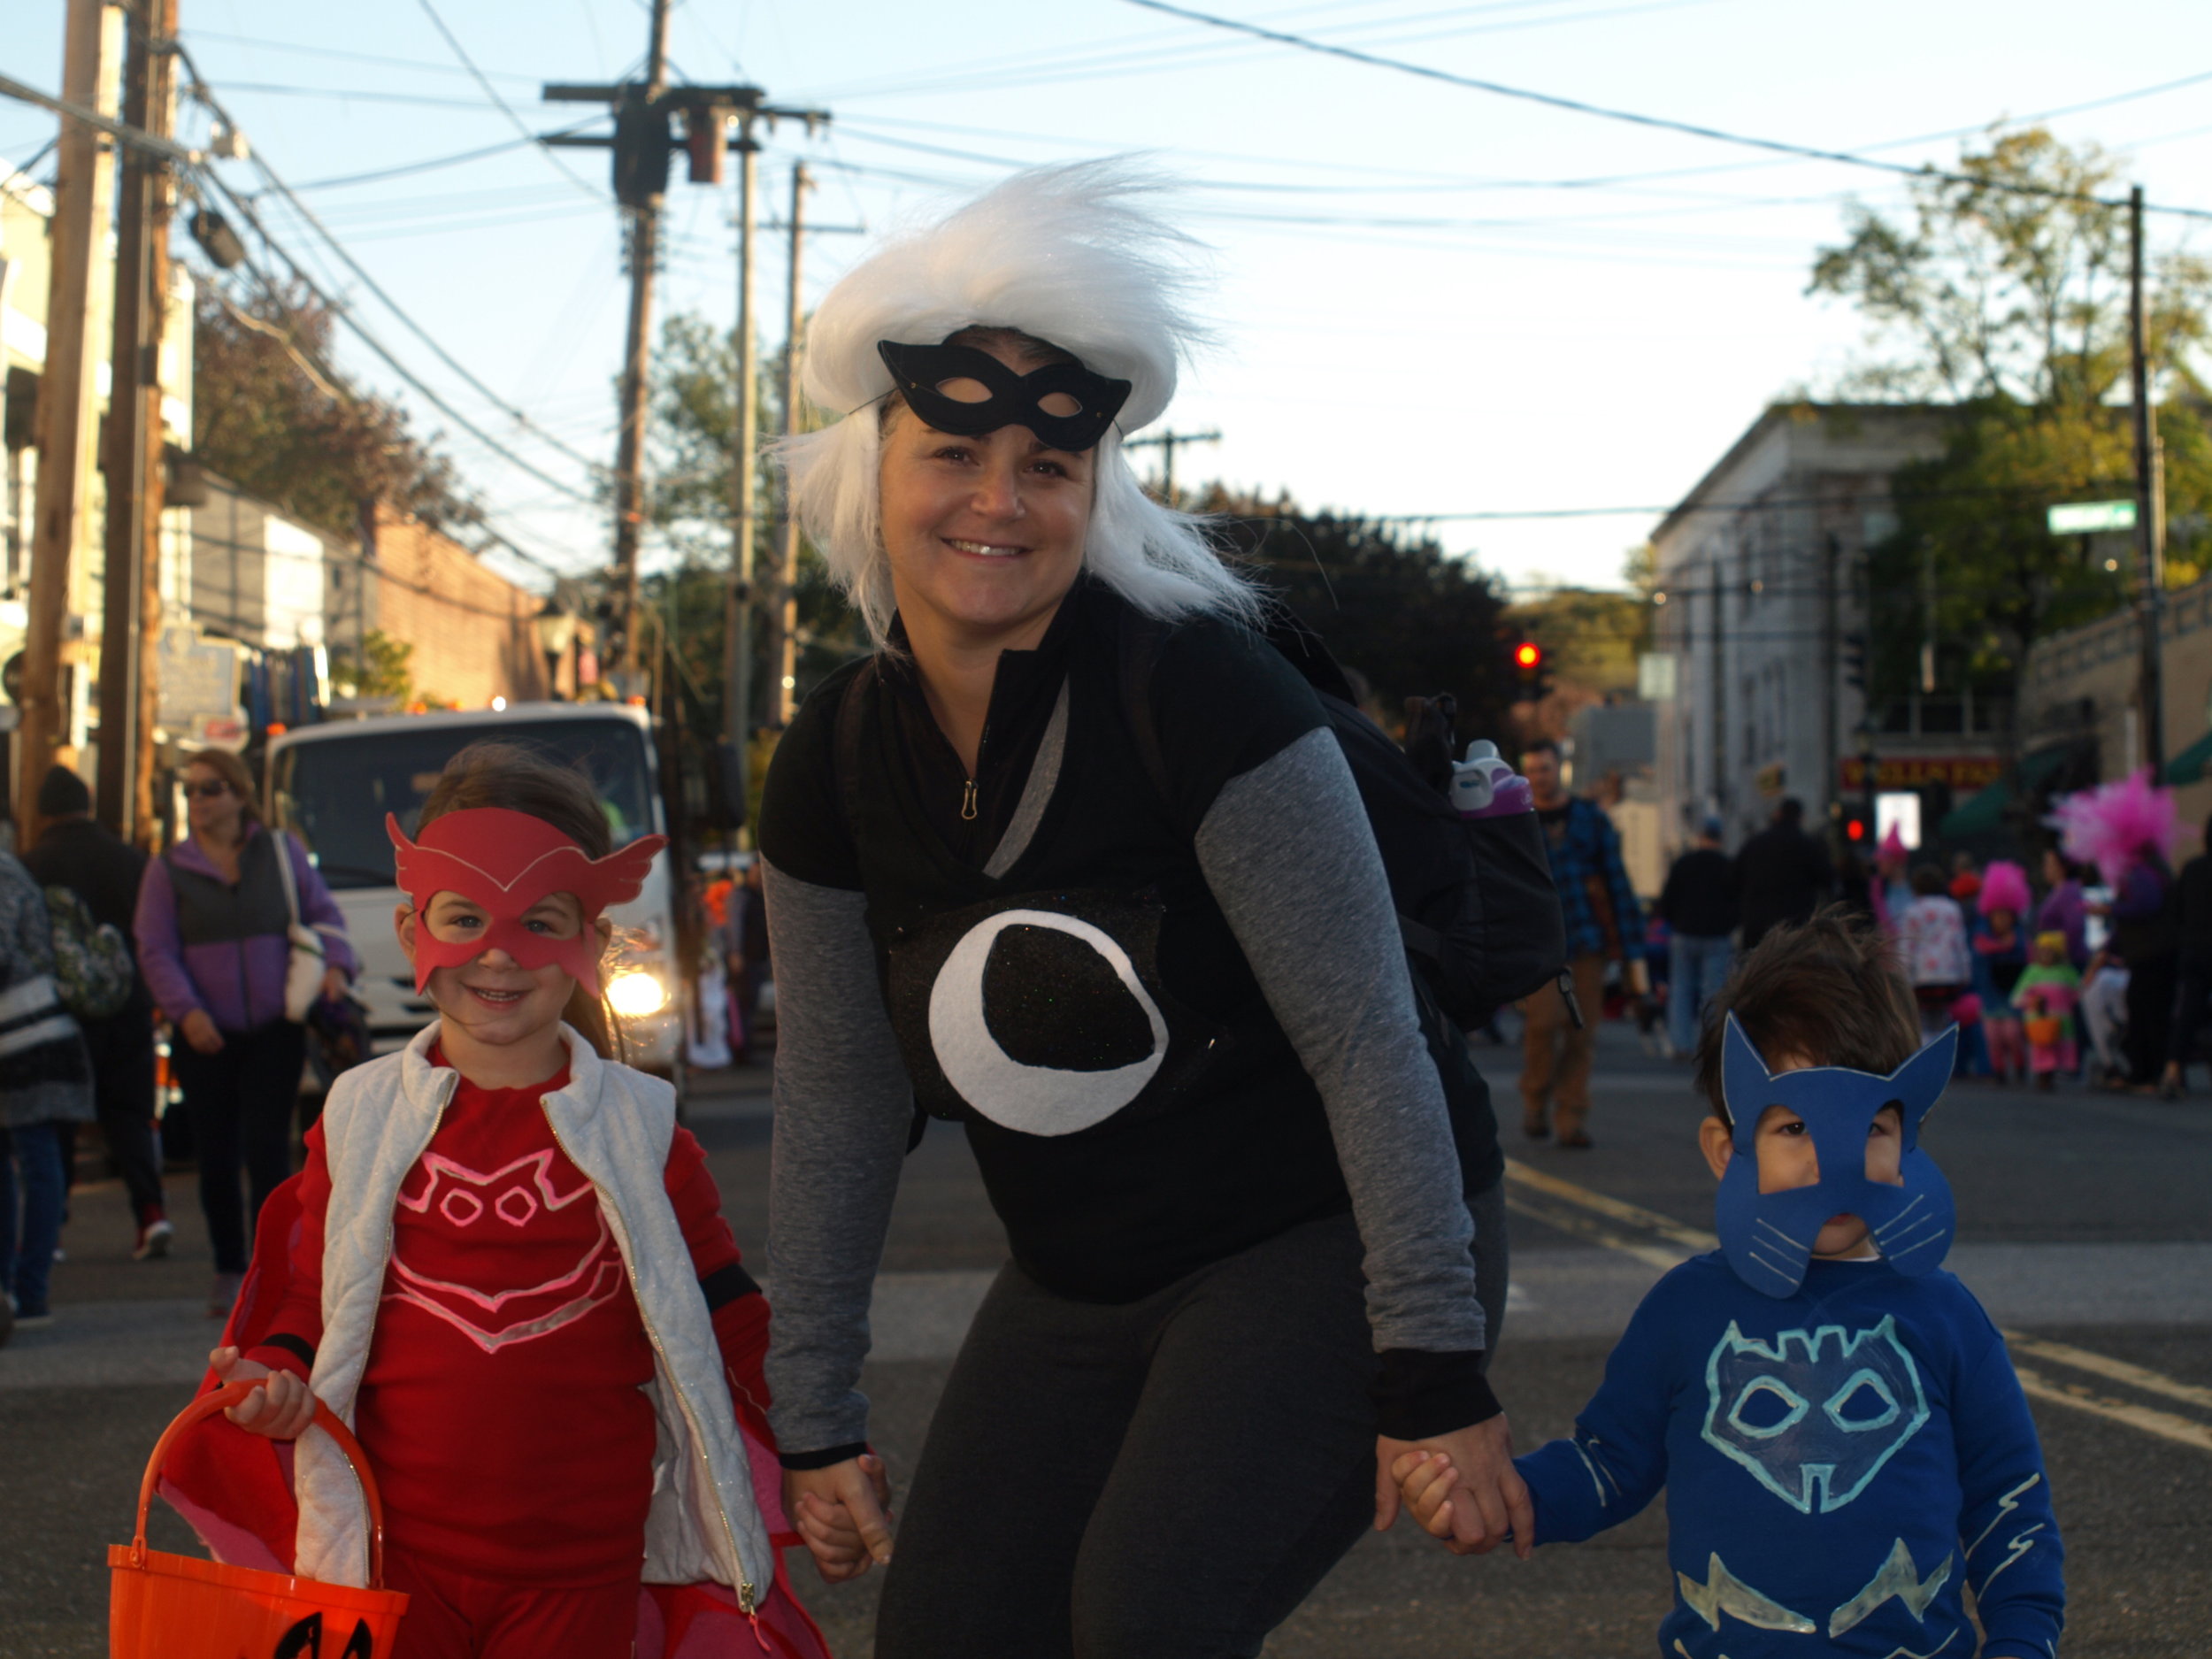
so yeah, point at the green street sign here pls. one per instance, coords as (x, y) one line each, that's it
(2086, 518)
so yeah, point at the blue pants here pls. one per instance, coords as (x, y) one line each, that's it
(1695, 968)
(24, 1266)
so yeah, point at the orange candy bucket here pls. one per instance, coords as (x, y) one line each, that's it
(178, 1607)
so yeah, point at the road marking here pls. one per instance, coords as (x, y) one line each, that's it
(1591, 1204)
(2165, 1424)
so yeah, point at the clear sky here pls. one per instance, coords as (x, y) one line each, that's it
(1431, 300)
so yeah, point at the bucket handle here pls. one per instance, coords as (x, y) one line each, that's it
(222, 1399)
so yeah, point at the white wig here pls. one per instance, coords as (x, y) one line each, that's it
(1066, 255)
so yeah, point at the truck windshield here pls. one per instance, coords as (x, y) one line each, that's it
(334, 793)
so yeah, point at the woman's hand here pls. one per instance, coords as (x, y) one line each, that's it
(843, 1512)
(282, 1407)
(1474, 1501)
(335, 985)
(199, 1031)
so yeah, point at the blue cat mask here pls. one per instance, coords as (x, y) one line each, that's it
(1768, 1237)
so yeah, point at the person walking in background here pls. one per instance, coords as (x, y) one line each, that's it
(2146, 937)
(212, 925)
(745, 934)
(2000, 956)
(1603, 922)
(1699, 905)
(103, 870)
(2193, 968)
(45, 1086)
(2047, 995)
(1931, 936)
(1782, 873)
(2064, 909)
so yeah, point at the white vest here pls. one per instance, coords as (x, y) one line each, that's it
(616, 1125)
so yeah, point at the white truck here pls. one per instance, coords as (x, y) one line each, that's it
(331, 786)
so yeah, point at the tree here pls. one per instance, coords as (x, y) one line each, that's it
(1407, 617)
(2004, 297)
(378, 669)
(267, 417)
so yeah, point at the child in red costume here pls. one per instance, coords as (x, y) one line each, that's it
(510, 1273)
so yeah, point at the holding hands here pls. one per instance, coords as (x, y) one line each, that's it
(282, 1407)
(1461, 1487)
(843, 1512)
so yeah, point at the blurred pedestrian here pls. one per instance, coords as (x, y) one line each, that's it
(45, 1086)
(1782, 873)
(105, 871)
(2047, 994)
(213, 929)
(1931, 935)
(2001, 957)
(2147, 936)
(2063, 909)
(2192, 967)
(746, 937)
(1700, 906)
(1604, 923)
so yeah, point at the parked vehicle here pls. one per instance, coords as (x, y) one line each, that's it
(331, 785)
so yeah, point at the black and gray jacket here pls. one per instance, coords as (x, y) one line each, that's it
(1165, 1045)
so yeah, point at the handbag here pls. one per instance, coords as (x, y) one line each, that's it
(2046, 1030)
(310, 958)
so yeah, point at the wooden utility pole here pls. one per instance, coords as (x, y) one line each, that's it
(1165, 442)
(132, 445)
(83, 195)
(783, 622)
(737, 605)
(2150, 528)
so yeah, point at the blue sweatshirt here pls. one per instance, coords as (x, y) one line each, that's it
(1839, 1467)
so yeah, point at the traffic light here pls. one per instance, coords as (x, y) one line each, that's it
(1855, 829)
(1855, 661)
(1531, 680)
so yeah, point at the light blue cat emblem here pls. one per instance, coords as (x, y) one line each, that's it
(1814, 1411)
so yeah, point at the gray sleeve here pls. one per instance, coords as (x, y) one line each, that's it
(1286, 849)
(843, 1107)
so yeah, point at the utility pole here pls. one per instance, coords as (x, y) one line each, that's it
(737, 613)
(2150, 528)
(132, 447)
(1165, 442)
(83, 195)
(642, 228)
(783, 623)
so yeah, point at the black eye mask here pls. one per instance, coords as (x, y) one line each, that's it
(1090, 401)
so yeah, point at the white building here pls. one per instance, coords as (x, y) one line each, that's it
(1761, 576)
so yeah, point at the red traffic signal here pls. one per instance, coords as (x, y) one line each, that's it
(1855, 829)
(1527, 655)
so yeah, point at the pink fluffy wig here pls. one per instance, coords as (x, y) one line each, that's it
(2005, 887)
(2111, 825)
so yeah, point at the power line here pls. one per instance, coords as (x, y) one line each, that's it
(432, 163)
(1657, 122)
(508, 109)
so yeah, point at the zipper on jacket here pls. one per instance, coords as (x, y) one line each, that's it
(967, 800)
(747, 1597)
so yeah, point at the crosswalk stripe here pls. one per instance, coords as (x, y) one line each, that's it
(2165, 1424)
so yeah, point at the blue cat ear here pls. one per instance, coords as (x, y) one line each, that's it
(1744, 1077)
(1920, 1082)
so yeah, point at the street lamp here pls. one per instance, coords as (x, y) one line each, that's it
(556, 632)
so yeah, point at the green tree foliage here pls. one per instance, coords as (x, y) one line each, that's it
(1591, 636)
(2003, 296)
(378, 669)
(265, 417)
(1409, 619)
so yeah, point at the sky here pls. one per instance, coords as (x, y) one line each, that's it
(1502, 319)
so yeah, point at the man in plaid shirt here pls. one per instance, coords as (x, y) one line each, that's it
(1604, 920)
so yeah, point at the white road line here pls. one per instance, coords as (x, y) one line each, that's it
(2165, 1424)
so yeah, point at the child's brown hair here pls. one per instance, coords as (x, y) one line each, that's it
(522, 780)
(1827, 993)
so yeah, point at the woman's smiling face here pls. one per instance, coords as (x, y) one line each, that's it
(493, 997)
(985, 534)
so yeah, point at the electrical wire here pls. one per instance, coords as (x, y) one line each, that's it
(507, 109)
(1657, 122)
(432, 163)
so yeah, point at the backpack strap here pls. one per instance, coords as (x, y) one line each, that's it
(852, 709)
(1142, 640)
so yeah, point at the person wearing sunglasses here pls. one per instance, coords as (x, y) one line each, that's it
(213, 928)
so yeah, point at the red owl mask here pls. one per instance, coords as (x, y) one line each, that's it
(504, 863)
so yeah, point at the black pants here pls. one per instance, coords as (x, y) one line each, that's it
(1166, 1480)
(122, 1055)
(240, 1099)
(2192, 989)
(2150, 1016)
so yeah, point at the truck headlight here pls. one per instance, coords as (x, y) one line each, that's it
(634, 993)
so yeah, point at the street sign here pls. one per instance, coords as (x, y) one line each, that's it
(199, 677)
(2086, 518)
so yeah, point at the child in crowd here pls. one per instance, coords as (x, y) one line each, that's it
(511, 1274)
(1931, 939)
(2047, 994)
(1845, 1449)
(2000, 956)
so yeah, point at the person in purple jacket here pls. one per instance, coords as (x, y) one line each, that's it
(213, 942)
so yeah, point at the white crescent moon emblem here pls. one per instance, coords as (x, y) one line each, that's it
(1036, 1100)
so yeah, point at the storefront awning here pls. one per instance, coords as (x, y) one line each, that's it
(1984, 810)
(2189, 765)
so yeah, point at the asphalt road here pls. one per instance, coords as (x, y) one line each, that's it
(2085, 1229)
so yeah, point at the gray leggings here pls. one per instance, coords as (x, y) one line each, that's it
(1164, 1479)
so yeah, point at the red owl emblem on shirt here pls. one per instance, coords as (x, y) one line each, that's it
(504, 1205)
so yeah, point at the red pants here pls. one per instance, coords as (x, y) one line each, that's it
(453, 1615)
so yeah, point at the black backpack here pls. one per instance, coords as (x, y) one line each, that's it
(1475, 897)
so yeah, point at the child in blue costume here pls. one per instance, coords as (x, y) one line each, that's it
(1845, 1447)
